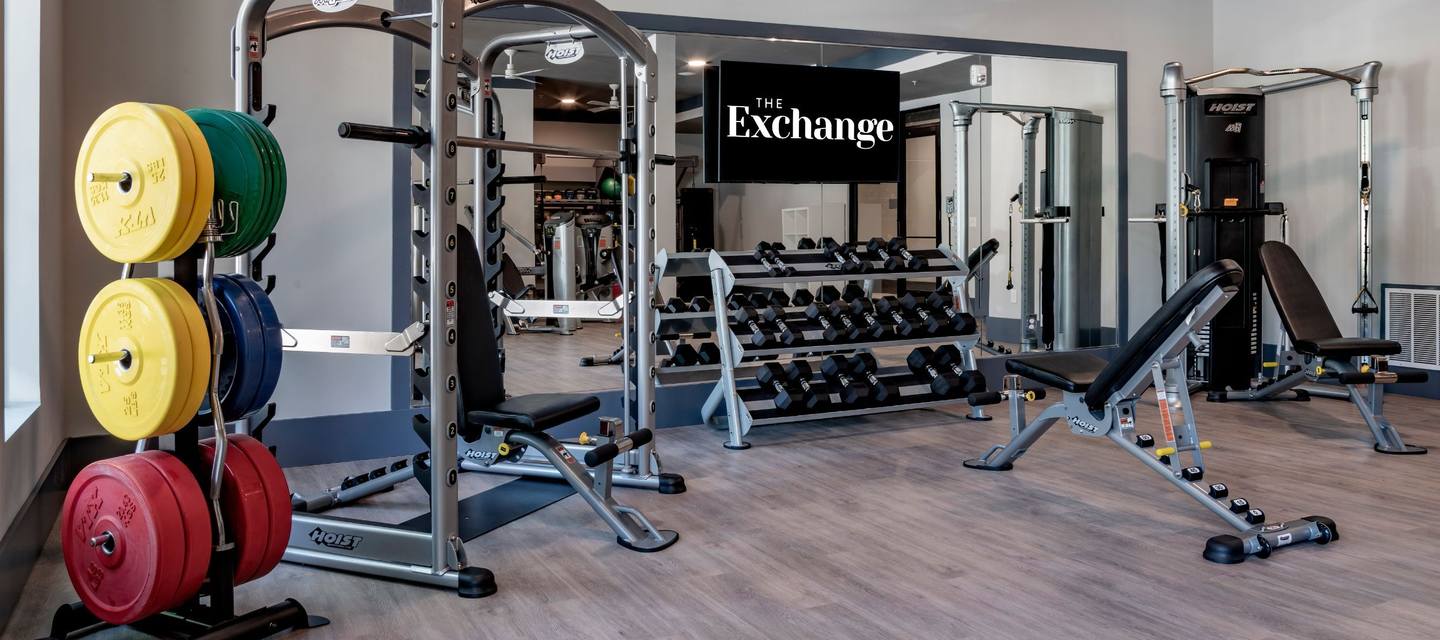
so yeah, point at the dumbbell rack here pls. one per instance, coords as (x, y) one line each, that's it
(194, 619)
(728, 269)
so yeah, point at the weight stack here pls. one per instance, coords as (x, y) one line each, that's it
(1226, 158)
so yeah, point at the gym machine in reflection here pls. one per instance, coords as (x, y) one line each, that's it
(434, 554)
(1068, 214)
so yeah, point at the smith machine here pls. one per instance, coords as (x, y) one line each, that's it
(433, 552)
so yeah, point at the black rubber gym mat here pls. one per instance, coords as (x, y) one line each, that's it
(493, 508)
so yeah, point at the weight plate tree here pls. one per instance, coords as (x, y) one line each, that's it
(139, 537)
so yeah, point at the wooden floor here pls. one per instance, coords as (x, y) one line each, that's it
(555, 358)
(872, 529)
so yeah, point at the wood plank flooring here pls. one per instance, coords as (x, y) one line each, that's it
(872, 529)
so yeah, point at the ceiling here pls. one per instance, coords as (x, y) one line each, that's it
(588, 78)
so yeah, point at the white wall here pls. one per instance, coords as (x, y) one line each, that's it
(1311, 135)
(1153, 32)
(333, 257)
(574, 134)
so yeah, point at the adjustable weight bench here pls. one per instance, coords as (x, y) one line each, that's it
(1098, 400)
(1322, 354)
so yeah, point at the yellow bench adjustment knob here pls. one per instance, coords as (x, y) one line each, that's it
(503, 449)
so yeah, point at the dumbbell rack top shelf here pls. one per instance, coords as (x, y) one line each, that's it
(727, 269)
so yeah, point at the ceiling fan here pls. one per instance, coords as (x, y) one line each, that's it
(614, 103)
(511, 74)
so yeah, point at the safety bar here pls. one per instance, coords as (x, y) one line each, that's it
(410, 136)
(1265, 73)
(607, 452)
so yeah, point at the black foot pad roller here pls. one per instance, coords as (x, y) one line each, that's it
(1263, 540)
(672, 483)
(476, 582)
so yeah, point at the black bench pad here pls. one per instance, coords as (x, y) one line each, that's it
(1346, 348)
(1067, 371)
(535, 412)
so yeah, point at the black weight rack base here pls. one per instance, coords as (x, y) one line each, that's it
(193, 622)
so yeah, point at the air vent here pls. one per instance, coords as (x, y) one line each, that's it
(1412, 318)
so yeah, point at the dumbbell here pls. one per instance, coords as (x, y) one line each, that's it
(736, 300)
(805, 243)
(877, 246)
(960, 322)
(748, 318)
(699, 304)
(868, 322)
(897, 246)
(930, 321)
(769, 256)
(772, 375)
(709, 353)
(801, 298)
(769, 298)
(864, 365)
(832, 327)
(950, 356)
(685, 356)
(776, 317)
(837, 372)
(841, 254)
(942, 382)
(890, 306)
(674, 305)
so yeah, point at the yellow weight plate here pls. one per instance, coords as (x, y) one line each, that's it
(134, 220)
(204, 179)
(198, 369)
(139, 339)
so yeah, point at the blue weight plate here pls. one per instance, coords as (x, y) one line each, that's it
(273, 350)
(242, 361)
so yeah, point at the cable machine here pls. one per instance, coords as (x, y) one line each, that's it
(437, 556)
(1215, 208)
(1069, 216)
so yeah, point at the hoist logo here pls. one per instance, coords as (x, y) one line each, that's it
(1235, 127)
(335, 540)
(1218, 108)
(1082, 424)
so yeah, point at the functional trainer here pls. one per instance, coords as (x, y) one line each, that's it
(1098, 401)
(1322, 354)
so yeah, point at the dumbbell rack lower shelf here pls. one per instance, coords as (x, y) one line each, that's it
(732, 396)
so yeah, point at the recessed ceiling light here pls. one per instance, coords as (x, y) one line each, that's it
(695, 62)
(567, 101)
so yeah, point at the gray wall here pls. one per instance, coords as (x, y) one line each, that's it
(1311, 135)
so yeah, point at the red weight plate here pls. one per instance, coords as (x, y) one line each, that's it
(278, 491)
(246, 508)
(195, 510)
(136, 574)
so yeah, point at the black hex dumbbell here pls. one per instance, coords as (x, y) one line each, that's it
(748, 318)
(970, 381)
(769, 257)
(929, 321)
(776, 317)
(897, 246)
(685, 356)
(959, 322)
(889, 306)
(801, 298)
(673, 305)
(837, 372)
(699, 304)
(878, 248)
(832, 328)
(864, 365)
(870, 324)
(709, 353)
(805, 243)
(787, 396)
(844, 256)
(942, 382)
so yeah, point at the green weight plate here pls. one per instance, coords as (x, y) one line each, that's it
(250, 234)
(239, 176)
(277, 163)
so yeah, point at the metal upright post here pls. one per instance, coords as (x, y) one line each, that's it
(960, 221)
(1173, 89)
(645, 80)
(1364, 91)
(446, 41)
(1029, 333)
